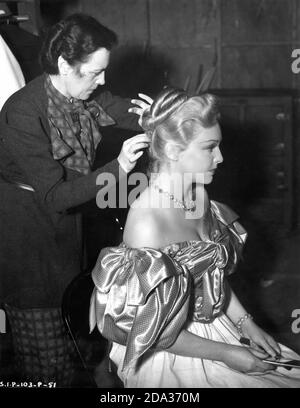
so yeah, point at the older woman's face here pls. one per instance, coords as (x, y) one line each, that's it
(203, 155)
(84, 79)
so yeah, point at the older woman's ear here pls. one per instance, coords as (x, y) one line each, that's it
(172, 150)
(64, 67)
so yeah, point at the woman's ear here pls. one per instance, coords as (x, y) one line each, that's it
(64, 68)
(172, 151)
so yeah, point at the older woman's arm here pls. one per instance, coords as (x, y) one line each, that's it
(117, 108)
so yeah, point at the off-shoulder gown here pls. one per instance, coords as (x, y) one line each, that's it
(144, 297)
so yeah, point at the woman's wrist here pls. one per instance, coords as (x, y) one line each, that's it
(242, 322)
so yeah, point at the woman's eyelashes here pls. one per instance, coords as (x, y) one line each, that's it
(210, 147)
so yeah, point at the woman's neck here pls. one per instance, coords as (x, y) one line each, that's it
(179, 185)
(59, 84)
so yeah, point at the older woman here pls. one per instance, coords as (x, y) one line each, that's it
(49, 133)
(161, 297)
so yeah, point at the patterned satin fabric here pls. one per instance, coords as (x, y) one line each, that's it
(74, 129)
(144, 297)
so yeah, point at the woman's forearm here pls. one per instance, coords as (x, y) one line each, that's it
(188, 344)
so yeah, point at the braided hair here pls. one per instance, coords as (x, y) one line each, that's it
(176, 116)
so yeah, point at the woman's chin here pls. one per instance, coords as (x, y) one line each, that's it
(208, 178)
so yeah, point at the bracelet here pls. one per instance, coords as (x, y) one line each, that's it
(241, 321)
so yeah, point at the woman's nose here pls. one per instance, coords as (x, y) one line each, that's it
(218, 157)
(101, 79)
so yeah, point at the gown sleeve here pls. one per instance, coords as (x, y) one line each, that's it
(140, 299)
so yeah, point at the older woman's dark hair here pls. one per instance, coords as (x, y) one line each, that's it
(74, 38)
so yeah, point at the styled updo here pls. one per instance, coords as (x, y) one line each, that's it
(176, 116)
(74, 38)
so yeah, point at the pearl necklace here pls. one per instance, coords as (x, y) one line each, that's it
(181, 204)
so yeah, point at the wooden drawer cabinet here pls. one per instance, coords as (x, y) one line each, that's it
(256, 177)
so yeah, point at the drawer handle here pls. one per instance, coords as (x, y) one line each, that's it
(280, 146)
(281, 187)
(282, 116)
(281, 175)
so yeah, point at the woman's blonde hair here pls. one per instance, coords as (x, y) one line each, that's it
(176, 116)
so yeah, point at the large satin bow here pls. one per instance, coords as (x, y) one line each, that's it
(141, 298)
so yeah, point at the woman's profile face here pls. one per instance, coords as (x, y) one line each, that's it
(84, 79)
(203, 155)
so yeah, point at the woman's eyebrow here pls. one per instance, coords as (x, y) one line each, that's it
(211, 141)
(95, 70)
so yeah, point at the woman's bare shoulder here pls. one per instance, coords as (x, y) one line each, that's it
(142, 229)
(144, 224)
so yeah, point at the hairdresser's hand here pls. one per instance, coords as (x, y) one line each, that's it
(132, 150)
(260, 339)
(246, 360)
(142, 104)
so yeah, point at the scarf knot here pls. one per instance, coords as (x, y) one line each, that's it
(74, 129)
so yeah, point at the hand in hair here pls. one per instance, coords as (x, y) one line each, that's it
(132, 150)
(143, 104)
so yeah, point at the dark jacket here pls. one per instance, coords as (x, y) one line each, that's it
(39, 231)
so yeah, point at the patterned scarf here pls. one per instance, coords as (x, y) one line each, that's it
(74, 129)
